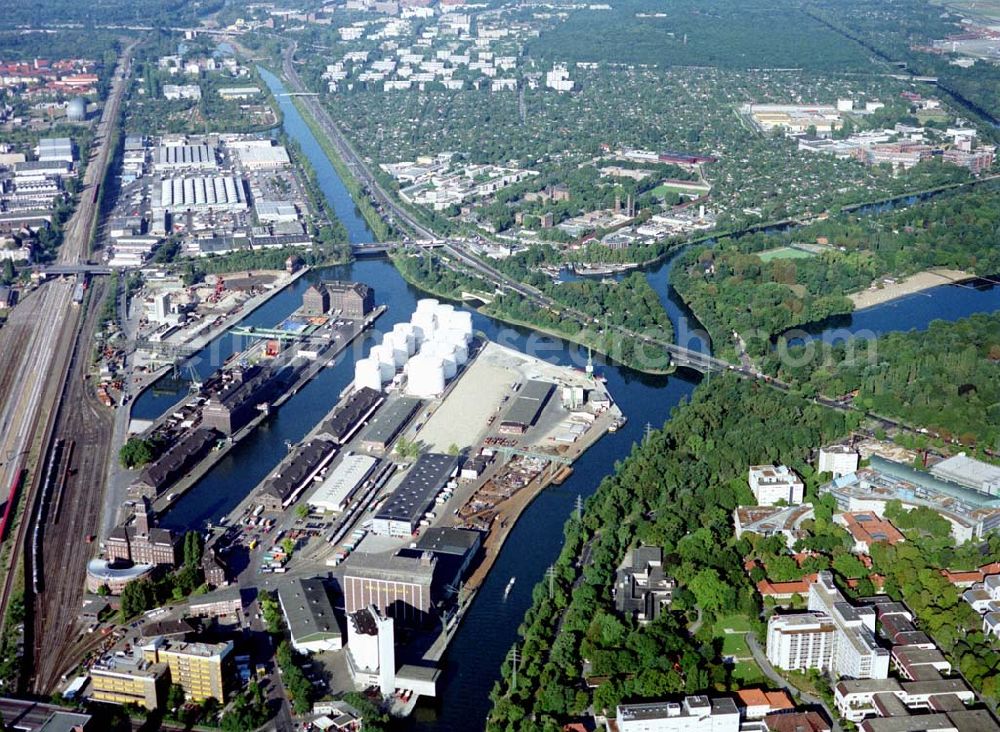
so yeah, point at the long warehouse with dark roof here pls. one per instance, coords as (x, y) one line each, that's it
(389, 423)
(526, 407)
(401, 513)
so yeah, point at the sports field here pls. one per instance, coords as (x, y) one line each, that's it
(784, 253)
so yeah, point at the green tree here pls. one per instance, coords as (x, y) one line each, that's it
(175, 696)
(136, 452)
(193, 548)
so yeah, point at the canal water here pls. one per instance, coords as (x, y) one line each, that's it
(911, 312)
(472, 662)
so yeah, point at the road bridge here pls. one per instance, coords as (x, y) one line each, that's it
(383, 247)
(72, 269)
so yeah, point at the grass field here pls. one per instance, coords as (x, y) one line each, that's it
(735, 644)
(663, 189)
(784, 253)
(738, 623)
(731, 630)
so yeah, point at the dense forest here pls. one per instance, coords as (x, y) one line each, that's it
(751, 34)
(902, 31)
(731, 287)
(946, 379)
(156, 13)
(676, 491)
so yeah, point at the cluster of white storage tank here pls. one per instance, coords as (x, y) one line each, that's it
(430, 348)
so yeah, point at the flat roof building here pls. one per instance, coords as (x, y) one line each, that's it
(773, 483)
(55, 148)
(401, 587)
(203, 669)
(971, 513)
(226, 601)
(176, 157)
(309, 614)
(838, 459)
(337, 489)
(856, 653)
(129, 680)
(694, 713)
(801, 641)
(969, 473)
(455, 550)
(414, 496)
(260, 154)
(784, 521)
(389, 423)
(642, 589)
(526, 407)
(197, 193)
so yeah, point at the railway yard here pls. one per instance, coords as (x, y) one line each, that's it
(69, 513)
(40, 340)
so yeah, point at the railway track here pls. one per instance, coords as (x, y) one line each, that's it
(35, 373)
(84, 429)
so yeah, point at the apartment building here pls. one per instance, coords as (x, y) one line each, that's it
(857, 655)
(129, 680)
(834, 636)
(202, 669)
(800, 642)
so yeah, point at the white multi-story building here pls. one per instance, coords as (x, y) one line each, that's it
(800, 642)
(773, 483)
(857, 655)
(838, 459)
(834, 636)
(695, 713)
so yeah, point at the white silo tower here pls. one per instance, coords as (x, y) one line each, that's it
(385, 356)
(367, 373)
(424, 324)
(446, 354)
(456, 340)
(402, 337)
(427, 304)
(425, 376)
(76, 110)
(443, 312)
(399, 355)
(463, 320)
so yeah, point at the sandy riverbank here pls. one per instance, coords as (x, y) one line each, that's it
(908, 286)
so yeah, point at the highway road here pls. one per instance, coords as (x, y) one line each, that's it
(38, 362)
